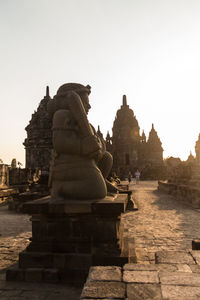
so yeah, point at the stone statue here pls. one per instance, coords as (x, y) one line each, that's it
(80, 161)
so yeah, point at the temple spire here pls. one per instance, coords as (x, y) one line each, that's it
(124, 100)
(47, 91)
(143, 136)
(108, 135)
(99, 132)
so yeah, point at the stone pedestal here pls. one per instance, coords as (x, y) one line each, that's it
(69, 237)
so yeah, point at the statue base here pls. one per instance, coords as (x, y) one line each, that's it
(68, 237)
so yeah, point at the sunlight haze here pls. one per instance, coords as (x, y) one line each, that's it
(148, 50)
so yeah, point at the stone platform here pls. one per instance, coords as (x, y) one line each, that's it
(175, 275)
(69, 237)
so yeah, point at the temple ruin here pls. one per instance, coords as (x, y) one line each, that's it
(130, 150)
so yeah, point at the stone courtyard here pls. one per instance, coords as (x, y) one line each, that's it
(160, 224)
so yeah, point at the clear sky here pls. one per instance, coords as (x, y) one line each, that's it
(146, 49)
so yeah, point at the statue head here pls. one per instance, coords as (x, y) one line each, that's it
(81, 90)
(60, 99)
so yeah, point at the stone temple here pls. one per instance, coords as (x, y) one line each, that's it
(38, 144)
(130, 150)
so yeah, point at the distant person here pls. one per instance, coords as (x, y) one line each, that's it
(137, 176)
(129, 177)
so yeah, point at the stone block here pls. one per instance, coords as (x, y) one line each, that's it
(70, 207)
(35, 260)
(37, 206)
(173, 257)
(180, 292)
(80, 246)
(103, 260)
(34, 275)
(105, 229)
(102, 273)
(167, 267)
(180, 278)
(184, 268)
(140, 267)
(196, 255)
(131, 252)
(138, 291)
(51, 228)
(140, 277)
(59, 261)
(40, 246)
(72, 276)
(102, 289)
(51, 275)
(12, 294)
(77, 261)
(109, 206)
(73, 246)
(195, 268)
(14, 274)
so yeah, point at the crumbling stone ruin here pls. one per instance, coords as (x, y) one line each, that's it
(184, 178)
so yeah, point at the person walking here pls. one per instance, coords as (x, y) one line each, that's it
(129, 177)
(137, 176)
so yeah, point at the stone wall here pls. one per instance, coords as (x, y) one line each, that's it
(185, 193)
(4, 176)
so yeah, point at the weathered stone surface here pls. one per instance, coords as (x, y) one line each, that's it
(179, 292)
(11, 293)
(14, 274)
(152, 267)
(101, 273)
(35, 260)
(102, 289)
(139, 291)
(195, 268)
(184, 268)
(140, 267)
(161, 223)
(51, 275)
(166, 268)
(174, 257)
(196, 255)
(105, 206)
(34, 274)
(180, 278)
(141, 276)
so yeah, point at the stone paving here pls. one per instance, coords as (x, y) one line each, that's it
(161, 222)
(161, 231)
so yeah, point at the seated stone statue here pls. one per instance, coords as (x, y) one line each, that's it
(80, 161)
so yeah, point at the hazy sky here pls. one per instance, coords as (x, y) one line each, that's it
(146, 49)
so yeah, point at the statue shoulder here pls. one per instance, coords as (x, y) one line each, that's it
(61, 118)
